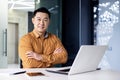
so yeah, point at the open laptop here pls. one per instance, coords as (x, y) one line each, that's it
(87, 59)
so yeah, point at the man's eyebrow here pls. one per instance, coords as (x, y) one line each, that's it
(37, 17)
(44, 18)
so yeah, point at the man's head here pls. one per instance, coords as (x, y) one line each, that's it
(42, 9)
(41, 19)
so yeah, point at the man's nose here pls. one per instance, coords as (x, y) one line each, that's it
(41, 22)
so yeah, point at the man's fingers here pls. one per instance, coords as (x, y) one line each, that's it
(29, 54)
(58, 50)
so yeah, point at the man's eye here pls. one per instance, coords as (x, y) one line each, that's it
(45, 19)
(38, 19)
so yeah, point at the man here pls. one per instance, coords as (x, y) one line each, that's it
(40, 49)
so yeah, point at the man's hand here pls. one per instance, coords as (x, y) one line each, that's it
(58, 50)
(31, 54)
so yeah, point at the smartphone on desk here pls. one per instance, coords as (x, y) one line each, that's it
(35, 74)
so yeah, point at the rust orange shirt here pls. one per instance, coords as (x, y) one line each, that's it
(45, 46)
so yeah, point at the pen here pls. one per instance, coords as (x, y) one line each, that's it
(21, 72)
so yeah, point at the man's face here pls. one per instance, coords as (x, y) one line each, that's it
(41, 22)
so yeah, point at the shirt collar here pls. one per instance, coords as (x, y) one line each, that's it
(38, 36)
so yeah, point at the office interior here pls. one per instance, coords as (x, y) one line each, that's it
(75, 22)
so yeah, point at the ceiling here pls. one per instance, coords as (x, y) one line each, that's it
(24, 5)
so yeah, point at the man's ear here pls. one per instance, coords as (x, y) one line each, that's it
(33, 20)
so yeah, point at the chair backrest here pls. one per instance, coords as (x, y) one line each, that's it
(21, 66)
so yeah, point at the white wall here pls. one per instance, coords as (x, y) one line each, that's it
(20, 18)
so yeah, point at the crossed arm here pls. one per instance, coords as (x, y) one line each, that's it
(31, 54)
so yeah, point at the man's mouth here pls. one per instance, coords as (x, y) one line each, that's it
(42, 27)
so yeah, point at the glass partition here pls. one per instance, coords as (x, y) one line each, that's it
(107, 30)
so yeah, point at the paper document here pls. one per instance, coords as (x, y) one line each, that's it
(11, 71)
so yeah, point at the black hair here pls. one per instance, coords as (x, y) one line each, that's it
(43, 10)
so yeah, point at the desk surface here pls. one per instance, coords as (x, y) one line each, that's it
(96, 75)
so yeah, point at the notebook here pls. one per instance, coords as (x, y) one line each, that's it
(86, 60)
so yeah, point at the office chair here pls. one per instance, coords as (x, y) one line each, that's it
(21, 66)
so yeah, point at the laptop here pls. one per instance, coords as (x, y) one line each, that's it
(86, 60)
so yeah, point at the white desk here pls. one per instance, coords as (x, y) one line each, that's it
(96, 75)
